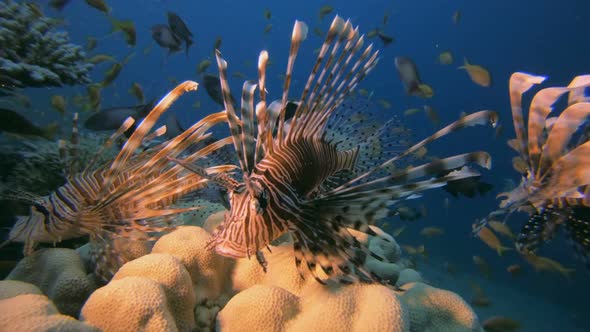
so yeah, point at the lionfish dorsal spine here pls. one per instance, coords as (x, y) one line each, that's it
(142, 129)
(109, 142)
(519, 84)
(541, 106)
(248, 125)
(299, 35)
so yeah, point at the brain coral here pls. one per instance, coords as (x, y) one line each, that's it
(24, 308)
(60, 275)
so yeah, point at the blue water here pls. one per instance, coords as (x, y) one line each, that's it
(540, 37)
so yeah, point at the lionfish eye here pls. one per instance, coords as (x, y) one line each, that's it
(41, 208)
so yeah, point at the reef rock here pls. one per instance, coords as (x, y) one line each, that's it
(32, 55)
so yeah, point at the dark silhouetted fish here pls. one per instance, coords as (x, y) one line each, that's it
(58, 4)
(112, 118)
(173, 127)
(164, 36)
(180, 29)
(408, 73)
(14, 123)
(213, 88)
(467, 187)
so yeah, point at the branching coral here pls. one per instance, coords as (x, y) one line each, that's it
(32, 55)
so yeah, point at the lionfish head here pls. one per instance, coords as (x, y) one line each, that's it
(239, 235)
(30, 229)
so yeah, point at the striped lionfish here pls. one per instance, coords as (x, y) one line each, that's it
(129, 198)
(553, 160)
(298, 177)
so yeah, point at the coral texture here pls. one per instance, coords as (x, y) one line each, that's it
(32, 55)
(24, 308)
(60, 275)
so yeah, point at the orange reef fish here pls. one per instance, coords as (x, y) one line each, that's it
(478, 74)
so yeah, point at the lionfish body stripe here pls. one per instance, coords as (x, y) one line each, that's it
(320, 173)
(555, 165)
(130, 197)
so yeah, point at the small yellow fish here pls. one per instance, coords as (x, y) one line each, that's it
(363, 92)
(384, 103)
(396, 232)
(268, 28)
(500, 324)
(445, 58)
(94, 96)
(432, 115)
(318, 32)
(128, 29)
(100, 58)
(203, 65)
(502, 228)
(112, 74)
(197, 104)
(491, 240)
(148, 49)
(482, 266)
(238, 74)
(478, 74)
(267, 14)
(514, 269)
(430, 232)
(325, 10)
(479, 298)
(59, 103)
(100, 5)
(456, 16)
(421, 152)
(373, 33)
(137, 91)
(425, 91)
(90, 43)
(547, 264)
(412, 111)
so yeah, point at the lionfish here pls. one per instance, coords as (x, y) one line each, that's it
(301, 177)
(553, 160)
(129, 197)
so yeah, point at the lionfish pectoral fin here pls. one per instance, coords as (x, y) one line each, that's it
(262, 260)
(579, 233)
(537, 230)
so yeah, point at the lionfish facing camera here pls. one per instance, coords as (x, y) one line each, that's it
(129, 197)
(320, 173)
(553, 158)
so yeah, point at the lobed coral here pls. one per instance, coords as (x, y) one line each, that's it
(182, 286)
(32, 55)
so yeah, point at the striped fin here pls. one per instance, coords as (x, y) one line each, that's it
(142, 129)
(519, 84)
(478, 118)
(157, 133)
(570, 171)
(299, 34)
(261, 110)
(248, 124)
(75, 147)
(336, 27)
(435, 167)
(109, 142)
(561, 132)
(232, 119)
(540, 108)
(578, 86)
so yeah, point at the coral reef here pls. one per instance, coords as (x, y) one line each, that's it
(60, 275)
(32, 55)
(181, 286)
(24, 308)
